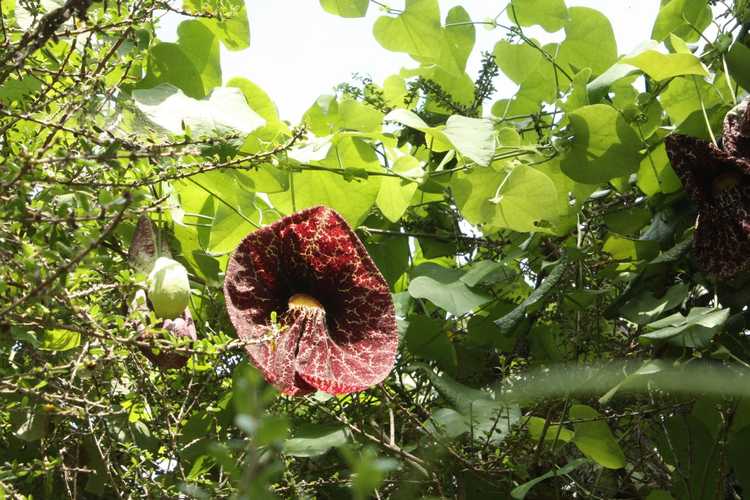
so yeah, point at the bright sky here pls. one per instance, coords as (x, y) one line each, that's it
(298, 51)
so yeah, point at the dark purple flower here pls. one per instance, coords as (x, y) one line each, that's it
(313, 308)
(718, 181)
(179, 327)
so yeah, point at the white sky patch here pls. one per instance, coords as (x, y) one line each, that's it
(298, 51)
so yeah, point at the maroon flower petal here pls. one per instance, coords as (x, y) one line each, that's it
(699, 164)
(335, 328)
(736, 134)
(719, 183)
(179, 327)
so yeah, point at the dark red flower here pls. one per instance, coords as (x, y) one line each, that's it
(718, 180)
(312, 306)
(178, 327)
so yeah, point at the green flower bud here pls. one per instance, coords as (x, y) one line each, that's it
(168, 288)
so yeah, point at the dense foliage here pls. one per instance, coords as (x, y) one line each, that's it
(559, 336)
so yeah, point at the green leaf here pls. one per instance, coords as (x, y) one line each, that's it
(663, 66)
(594, 439)
(486, 419)
(626, 249)
(645, 307)
(233, 31)
(570, 197)
(168, 64)
(683, 96)
(418, 32)
(549, 14)
(656, 175)
(323, 116)
(225, 110)
(394, 91)
(518, 61)
(589, 41)
(691, 449)
(395, 194)
(444, 288)
(604, 146)
(257, 99)
(312, 440)
(434, 136)
(738, 62)
(227, 230)
(518, 198)
(201, 46)
(346, 8)
(59, 339)
(739, 443)
(447, 422)
(14, 89)
(527, 66)
(29, 424)
(659, 495)
(460, 35)
(472, 137)
(509, 322)
(684, 18)
(428, 339)
(600, 85)
(521, 491)
(555, 432)
(488, 272)
(351, 198)
(355, 115)
(694, 330)
(391, 255)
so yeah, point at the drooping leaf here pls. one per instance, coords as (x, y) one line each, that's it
(554, 432)
(694, 330)
(472, 137)
(594, 438)
(663, 66)
(508, 323)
